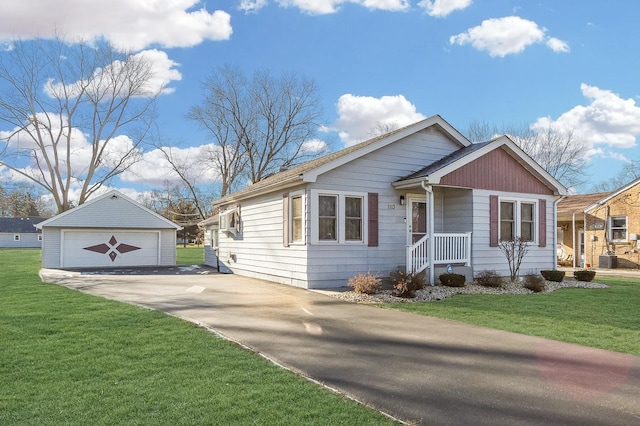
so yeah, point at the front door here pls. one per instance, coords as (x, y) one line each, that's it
(416, 220)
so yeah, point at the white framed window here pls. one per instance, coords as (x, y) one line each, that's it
(16, 237)
(518, 218)
(618, 228)
(297, 214)
(39, 237)
(338, 217)
(213, 235)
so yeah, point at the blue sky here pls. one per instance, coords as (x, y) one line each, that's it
(571, 64)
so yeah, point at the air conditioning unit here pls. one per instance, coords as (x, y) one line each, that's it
(230, 221)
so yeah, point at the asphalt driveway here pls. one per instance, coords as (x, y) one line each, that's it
(415, 368)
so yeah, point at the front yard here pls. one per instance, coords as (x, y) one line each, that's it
(71, 358)
(601, 318)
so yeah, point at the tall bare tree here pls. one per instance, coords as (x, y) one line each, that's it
(559, 152)
(628, 173)
(259, 124)
(64, 111)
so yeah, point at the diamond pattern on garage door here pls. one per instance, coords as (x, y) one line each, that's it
(112, 248)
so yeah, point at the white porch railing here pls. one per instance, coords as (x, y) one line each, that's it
(447, 248)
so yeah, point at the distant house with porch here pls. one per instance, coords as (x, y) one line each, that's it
(20, 232)
(606, 228)
(419, 198)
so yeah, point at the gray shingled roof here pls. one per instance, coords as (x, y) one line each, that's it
(445, 161)
(294, 173)
(20, 225)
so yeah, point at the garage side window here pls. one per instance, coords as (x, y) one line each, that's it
(16, 237)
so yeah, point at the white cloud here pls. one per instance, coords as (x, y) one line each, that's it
(324, 7)
(558, 45)
(441, 8)
(128, 24)
(154, 168)
(163, 72)
(607, 120)
(313, 146)
(506, 36)
(360, 115)
(252, 5)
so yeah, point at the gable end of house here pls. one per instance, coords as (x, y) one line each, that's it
(496, 170)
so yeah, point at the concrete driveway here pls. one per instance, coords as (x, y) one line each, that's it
(419, 369)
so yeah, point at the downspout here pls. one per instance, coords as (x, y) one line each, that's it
(430, 227)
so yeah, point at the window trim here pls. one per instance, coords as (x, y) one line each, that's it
(39, 237)
(626, 229)
(340, 219)
(16, 237)
(303, 240)
(517, 217)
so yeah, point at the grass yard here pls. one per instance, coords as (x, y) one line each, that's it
(190, 255)
(71, 358)
(606, 319)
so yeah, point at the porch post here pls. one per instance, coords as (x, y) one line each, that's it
(430, 230)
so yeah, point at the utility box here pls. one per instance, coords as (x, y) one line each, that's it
(607, 262)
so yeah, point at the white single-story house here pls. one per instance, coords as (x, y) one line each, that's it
(419, 198)
(20, 232)
(109, 231)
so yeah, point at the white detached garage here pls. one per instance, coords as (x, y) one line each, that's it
(110, 231)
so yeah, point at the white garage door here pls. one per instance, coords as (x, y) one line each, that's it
(109, 248)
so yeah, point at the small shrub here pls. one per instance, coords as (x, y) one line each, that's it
(489, 278)
(406, 284)
(584, 275)
(534, 283)
(452, 280)
(553, 275)
(365, 283)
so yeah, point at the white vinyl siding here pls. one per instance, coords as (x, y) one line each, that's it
(486, 257)
(260, 252)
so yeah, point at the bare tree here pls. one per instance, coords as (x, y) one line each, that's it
(514, 250)
(629, 172)
(69, 107)
(383, 127)
(559, 152)
(260, 124)
(193, 186)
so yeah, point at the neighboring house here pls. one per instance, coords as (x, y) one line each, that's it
(570, 228)
(612, 228)
(20, 232)
(108, 231)
(418, 198)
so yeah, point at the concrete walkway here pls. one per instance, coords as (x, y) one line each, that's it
(419, 369)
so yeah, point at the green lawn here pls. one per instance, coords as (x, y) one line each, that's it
(71, 358)
(606, 319)
(190, 255)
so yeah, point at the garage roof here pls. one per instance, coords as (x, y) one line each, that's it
(110, 210)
